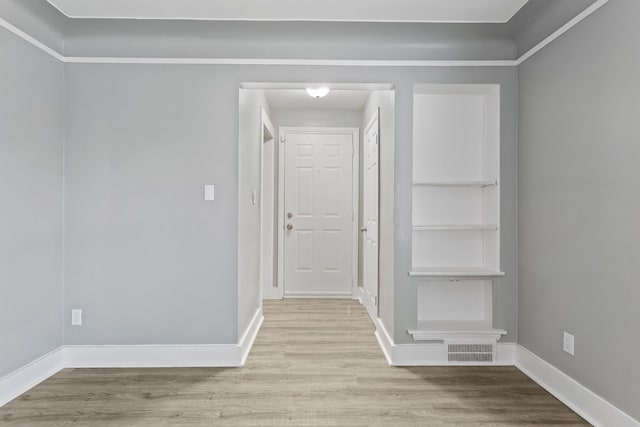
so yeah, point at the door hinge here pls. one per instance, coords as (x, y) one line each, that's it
(353, 149)
(283, 138)
(375, 300)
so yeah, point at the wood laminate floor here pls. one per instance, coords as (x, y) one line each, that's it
(315, 362)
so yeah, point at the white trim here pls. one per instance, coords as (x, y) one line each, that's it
(308, 62)
(161, 356)
(436, 355)
(361, 296)
(580, 399)
(583, 401)
(560, 31)
(355, 209)
(466, 335)
(30, 375)
(165, 356)
(406, 11)
(250, 334)
(384, 340)
(432, 354)
(303, 85)
(371, 304)
(332, 295)
(355, 172)
(268, 290)
(280, 274)
(28, 38)
(129, 356)
(295, 62)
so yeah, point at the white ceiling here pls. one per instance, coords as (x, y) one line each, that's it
(293, 99)
(297, 10)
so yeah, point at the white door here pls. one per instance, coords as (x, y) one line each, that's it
(318, 209)
(370, 215)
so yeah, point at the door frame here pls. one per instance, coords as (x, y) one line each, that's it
(355, 195)
(374, 311)
(267, 292)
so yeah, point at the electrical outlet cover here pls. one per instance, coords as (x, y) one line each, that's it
(209, 192)
(76, 317)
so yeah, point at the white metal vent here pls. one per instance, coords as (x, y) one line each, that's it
(470, 352)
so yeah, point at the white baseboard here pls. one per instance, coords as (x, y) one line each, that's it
(358, 293)
(271, 293)
(148, 356)
(249, 336)
(165, 356)
(583, 401)
(580, 399)
(27, 377)
(129, 356)
(329, 295)
(384, 340)
(434, 354)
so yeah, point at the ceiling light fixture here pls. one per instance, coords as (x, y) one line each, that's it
(318, 92)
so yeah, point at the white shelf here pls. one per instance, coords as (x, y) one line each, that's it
(456, 212)
(455, 272)
(456, 183)
(439, 330)
(454, 227)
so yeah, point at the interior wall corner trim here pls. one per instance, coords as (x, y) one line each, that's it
(30, 39)
(560, 31)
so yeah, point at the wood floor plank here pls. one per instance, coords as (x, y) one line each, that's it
(314, 362)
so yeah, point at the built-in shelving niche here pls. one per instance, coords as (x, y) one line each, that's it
(456, 211)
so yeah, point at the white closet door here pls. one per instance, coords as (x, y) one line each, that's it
(370, 214)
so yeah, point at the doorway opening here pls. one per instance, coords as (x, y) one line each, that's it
(315, 164)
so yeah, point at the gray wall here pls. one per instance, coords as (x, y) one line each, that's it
(251, 103)
(336, 40)
(304, 117)
(31, 164)
(580, 203)
(147, 258)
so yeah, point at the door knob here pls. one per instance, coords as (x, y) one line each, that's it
(289, 227)
(363, 229)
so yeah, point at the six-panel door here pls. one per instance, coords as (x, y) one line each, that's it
(319, 213)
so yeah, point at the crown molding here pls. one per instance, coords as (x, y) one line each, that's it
(560, 31)
(29, 39)
(404, 11)
(307, 62)
(293, 62)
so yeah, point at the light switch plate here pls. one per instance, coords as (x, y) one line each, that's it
(209, 192)
(76, 317)
(569, 343)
